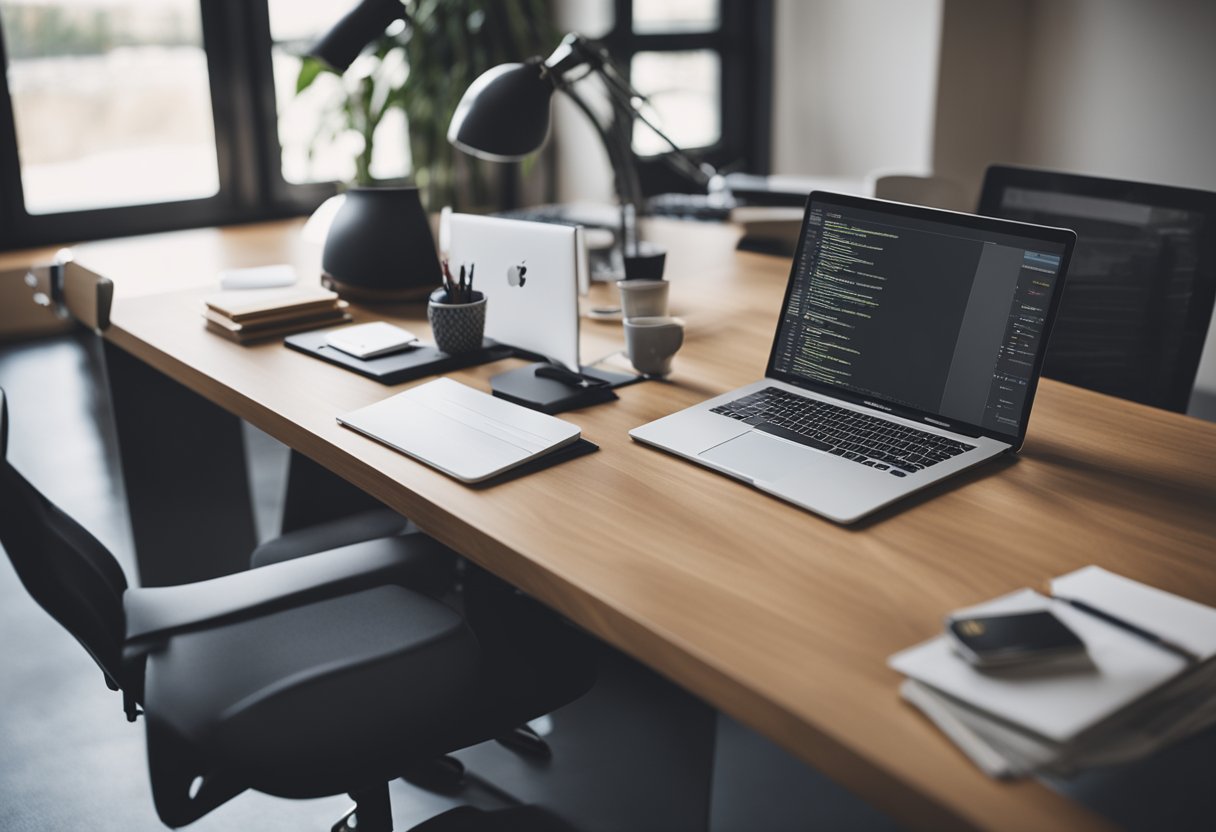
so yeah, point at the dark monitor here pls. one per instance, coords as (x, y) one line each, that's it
(1140, 290)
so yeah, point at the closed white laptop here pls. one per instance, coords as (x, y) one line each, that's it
(908, 349)
(530, 273)
(463, 432)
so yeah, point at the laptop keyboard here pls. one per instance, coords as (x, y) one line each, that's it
(876, 443)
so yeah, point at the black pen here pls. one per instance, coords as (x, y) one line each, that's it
(1163, 643)
(449, 282)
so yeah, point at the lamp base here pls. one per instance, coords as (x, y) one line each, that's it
(362, 294)
(553, 390)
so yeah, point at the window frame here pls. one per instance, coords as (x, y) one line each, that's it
(236, 42)
(743, 41)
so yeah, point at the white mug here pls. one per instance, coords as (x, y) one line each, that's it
(651, 342)
(643, 298)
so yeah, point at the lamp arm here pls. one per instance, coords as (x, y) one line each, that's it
(626, 95)
(701, 173)
(624, 169)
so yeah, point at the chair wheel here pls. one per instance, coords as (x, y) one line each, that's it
(344, 823)
(526, 743)
(372, 812)
(442, 775)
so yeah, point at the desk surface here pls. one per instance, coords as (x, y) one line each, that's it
(777, 617)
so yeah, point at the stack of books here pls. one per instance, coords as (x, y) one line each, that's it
(250, 315)
(1135, 694)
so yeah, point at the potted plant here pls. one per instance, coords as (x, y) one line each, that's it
(423, 68)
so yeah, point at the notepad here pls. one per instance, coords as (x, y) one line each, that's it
(1134, 697)
(462, 432)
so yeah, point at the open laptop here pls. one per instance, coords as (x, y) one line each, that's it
(908, 349)
(530, 273)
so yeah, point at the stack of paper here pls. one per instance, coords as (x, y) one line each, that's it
(1132, 698)
(251, 315)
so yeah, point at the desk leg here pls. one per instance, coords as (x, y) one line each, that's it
(183, 464)
(317, 495)
(636, 752)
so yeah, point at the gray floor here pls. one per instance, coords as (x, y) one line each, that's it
(69, 759)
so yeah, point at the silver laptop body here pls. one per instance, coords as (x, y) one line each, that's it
(908, 349)
(530, 273)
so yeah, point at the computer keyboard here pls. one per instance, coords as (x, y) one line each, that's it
(870, 441)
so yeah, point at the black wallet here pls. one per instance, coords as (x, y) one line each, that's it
(1014, 638)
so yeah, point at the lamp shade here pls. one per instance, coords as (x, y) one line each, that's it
(504, 114)
(359, 27)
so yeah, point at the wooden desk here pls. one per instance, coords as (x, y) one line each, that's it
(777, 617)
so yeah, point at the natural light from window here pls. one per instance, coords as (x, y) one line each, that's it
(684, 90)
(319, 145)
(111, 102)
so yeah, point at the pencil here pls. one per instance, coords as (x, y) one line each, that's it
(1127, 626)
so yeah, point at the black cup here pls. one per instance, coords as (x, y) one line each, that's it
(646, 263)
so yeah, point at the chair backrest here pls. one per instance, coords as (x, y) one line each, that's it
(86, 294)
(1142, 282)
(66, 570)
(930, 191)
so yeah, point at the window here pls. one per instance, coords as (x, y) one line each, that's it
(133, 116)
(705, 68)
(316, 145)
(110, 102)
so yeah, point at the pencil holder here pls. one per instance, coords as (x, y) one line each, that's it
(458, 328)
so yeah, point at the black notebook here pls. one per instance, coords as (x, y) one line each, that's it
(411, 364)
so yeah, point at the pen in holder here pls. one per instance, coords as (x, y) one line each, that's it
(457, 313)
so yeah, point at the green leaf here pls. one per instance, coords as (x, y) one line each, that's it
(310, 68)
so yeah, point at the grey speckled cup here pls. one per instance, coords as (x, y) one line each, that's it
(458, 328)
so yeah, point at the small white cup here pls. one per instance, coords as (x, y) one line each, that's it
(651, 342)
(643, 298)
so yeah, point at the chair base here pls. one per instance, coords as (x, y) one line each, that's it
(372, 812)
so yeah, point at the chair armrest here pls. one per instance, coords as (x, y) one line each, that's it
(415, 561)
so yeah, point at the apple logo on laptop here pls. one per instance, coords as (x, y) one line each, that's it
(515, 274)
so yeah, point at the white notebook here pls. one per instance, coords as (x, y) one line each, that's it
(463, 432)
(1059, 705)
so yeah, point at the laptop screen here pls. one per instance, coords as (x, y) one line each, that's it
(920, 312)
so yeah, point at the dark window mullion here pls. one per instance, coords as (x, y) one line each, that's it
(743, 43)
(224, 42)
(12, 203)
(280, 195)
(679, 41)
(236, 200)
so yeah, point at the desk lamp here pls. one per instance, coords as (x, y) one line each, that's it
(504, 116)
(359, 27)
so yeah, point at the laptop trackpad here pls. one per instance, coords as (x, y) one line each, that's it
(758, 456)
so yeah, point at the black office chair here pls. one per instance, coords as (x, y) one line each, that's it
(1141, 286)
(315, 676)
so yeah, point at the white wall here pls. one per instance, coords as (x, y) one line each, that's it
(854, 86)
(854, 89)
(1122, 88)
(1118, 88)
(1126, 89)
(584, 173)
